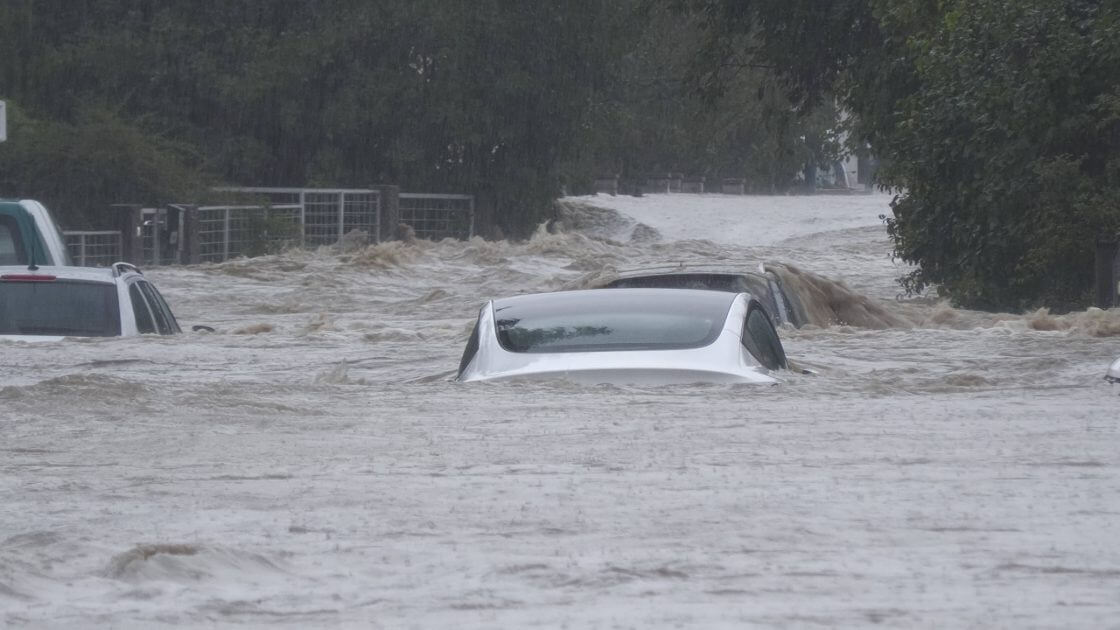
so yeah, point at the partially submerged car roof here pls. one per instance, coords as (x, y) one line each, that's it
(85, 274)
(783, 306)
(651, 336)
(50, 302)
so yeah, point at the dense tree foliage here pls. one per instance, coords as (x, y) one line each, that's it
(433, 95)
(1009, 151)
(151, 101)
(656, 117)
(997, 121)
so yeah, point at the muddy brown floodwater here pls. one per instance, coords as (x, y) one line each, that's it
(313, 464)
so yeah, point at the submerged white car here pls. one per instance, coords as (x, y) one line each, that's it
(638, 336)
(50, 303)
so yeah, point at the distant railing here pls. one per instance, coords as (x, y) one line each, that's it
(93, 248)
(437, 217)
(260, 221)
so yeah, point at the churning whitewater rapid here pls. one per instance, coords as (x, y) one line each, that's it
(313, 463)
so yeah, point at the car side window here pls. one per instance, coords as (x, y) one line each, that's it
(144, 323)
(9, 255)
(160, 305)
(11, 242)
(158, 316)
(761, 340)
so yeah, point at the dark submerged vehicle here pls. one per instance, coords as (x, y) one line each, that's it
(784, 307)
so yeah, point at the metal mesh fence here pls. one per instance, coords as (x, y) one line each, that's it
(327, 215)
(330, 215)
(96, 248)
(437, 217)
(321, 218)
(269, 219)
(361, 211)
(226, 232)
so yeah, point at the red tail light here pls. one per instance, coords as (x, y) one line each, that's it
(26, 277)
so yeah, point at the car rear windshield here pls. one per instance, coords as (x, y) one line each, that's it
(60, 307)
(611, 320)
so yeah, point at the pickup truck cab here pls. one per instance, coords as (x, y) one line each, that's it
(50, 303)
(29, 235)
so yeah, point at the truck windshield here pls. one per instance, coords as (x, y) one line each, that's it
(60, 307)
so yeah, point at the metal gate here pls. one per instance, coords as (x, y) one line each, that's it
(437, 217)
(325, 214)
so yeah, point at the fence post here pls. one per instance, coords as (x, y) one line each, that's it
(1107, 247)
(470, 230)
(157, 233)
(388, 211)
(341, 217)
(192, 250)
(303, 218)
(225, 235)
(128, 221)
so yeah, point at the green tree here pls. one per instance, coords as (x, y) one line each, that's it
(80, 169)
(487, 97)
(1009, 152)
(662, 114)
(996, 120)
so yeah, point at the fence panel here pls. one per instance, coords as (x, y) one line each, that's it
(94, 248)
(437, 217)
(325, 214)
(226, 232)
(269, 219)
(321, 218)
(361, 211)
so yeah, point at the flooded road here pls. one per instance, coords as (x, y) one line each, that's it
(312, 463)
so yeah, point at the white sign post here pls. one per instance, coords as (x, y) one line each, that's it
(3, 122)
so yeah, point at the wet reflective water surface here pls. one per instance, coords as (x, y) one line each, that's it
(313, 463)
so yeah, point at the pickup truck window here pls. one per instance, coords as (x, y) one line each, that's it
(144, 323)
(11, 245)
(165, 321)
(59, 307)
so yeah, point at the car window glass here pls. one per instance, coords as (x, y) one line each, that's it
(760, 338)
(144, 322)
(470, 350)
(162, 325)
(160, 305)
(610, 320)
(59, 307)
(11, 249)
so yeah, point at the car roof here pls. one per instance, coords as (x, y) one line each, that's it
(89, 274)
(599, 296)
(709, 269)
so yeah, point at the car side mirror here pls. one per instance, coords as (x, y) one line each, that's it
(201, 328)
